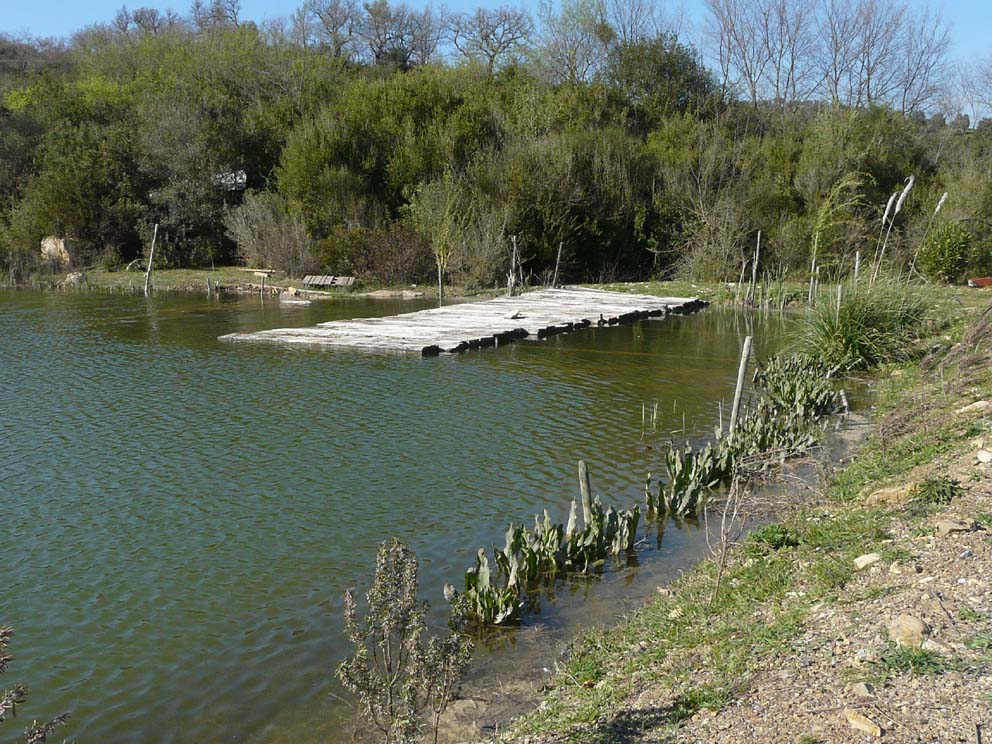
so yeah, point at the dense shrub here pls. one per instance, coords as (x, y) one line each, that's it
(946, 253)
(269, 234)
(392, 254)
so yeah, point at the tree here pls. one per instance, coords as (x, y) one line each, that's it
(736, 32)
(575, 39)
(335, 24)
(437, 212)
(397, 34)
(659, 77)
(493, 37)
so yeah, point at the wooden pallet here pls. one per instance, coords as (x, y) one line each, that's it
(324, 280)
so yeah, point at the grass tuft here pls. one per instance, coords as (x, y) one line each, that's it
(870, 328)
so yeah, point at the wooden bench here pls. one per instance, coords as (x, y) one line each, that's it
(323, 280)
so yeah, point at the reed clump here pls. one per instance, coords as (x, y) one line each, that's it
(867, 328)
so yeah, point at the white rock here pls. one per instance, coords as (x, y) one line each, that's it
(863, 561)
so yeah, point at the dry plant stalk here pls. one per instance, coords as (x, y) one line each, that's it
(734, 517)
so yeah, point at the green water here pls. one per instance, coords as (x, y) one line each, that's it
(180, 516)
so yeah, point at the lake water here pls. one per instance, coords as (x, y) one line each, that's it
(180, 516)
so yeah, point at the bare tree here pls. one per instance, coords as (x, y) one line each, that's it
(395, 33)
(491, 37)
(788, 35)
(737, 34)
(636, 20)
(575, 39)
(216, 14)
(146, 21)
(878, 51)
(834, 58)
(334, 25)
(925, 42)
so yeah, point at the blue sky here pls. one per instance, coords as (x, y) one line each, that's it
(971, 20)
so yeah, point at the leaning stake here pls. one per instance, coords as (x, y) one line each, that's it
(151, 256)
(741, 371)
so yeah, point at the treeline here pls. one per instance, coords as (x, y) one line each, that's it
(389, 141)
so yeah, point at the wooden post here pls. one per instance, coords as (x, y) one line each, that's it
(857, 265)
(586, 494)
(440, 286)
(840, 294)
(261, 289)
(812, 282)
(511, 281)
(754, 271)
(554, 282)
(151, 257)
(741, 372)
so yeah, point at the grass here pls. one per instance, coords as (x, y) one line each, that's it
(705, 657)
(903, 659)
(871, 327)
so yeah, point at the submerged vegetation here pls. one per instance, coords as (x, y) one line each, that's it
(12, 699)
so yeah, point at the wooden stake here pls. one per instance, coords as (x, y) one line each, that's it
(554, 282)
(586, 494)
(151, 257)
(840, 293)
(512, 280)
(812, 282)
(741, 372)
(440, 286)
(754, 270)
(857, 265)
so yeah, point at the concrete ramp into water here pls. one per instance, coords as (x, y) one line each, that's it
(472, 325)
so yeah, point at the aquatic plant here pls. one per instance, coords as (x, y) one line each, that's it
(794, 394)
(10, 699)
(530, 556)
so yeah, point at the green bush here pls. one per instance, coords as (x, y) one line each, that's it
(871, 327)
(946, 253)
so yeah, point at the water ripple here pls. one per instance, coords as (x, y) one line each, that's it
(181, 516)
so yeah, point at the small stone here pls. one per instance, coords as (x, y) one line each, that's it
(984, 456)
(862, 690)
(946, 527)
(932, 645)
(907, 630)
(863, 561)
(896, 568)
(897, 495)
(862, 723)
(867, 655)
